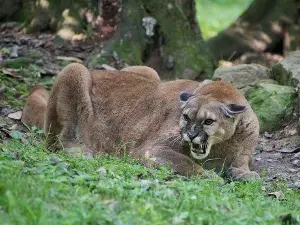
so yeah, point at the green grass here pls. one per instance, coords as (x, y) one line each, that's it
(215, 15)
(37, 187)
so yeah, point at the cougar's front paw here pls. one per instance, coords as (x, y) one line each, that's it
(240, 174)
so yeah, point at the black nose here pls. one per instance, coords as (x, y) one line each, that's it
(192, 135)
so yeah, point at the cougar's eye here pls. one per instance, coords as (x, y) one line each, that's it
(186, 117)
(208, 121)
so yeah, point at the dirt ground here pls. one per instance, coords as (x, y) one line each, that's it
(277, 157)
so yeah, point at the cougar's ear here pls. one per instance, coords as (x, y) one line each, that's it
(234, 109)
(184, 97)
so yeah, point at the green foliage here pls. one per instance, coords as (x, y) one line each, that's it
(14, 89)
(215, 15)
(23, 78)
(37, 187)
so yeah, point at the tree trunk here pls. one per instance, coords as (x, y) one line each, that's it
(66, 17)
(262, 27)
(174, 46)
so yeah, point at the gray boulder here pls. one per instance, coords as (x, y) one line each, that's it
(287, 71)
(243, 75)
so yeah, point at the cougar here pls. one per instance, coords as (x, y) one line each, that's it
(186, 124)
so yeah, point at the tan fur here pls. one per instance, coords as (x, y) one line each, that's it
(144, 71)
(102, 109)
(35, 107)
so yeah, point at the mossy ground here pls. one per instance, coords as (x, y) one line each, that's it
(37, 187)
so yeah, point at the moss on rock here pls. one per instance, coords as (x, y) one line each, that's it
(272, 103)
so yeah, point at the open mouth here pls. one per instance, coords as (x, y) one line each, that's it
(198, 148)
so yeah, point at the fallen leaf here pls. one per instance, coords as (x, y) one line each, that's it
(277, 194)
(105, 67)
(16, 115)
(67, 58)
(10, 72)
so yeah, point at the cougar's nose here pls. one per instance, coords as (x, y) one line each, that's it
(192, 135)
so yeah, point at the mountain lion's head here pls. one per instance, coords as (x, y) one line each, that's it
(206, 121)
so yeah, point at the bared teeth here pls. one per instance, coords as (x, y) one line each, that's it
(198, 148)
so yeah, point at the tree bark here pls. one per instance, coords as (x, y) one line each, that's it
(260, 28)
(173, 46)
(176, 47)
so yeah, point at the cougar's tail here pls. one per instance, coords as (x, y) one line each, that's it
(35, 107)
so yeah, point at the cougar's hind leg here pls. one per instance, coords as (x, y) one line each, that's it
(69, 107)
(34, 110)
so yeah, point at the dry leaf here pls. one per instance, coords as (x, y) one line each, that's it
(277, 194)
(289, 150)
(68, 58)
(106, 67)
(10, 72)
(16, 115)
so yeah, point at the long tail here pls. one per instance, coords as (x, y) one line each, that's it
(35, 107)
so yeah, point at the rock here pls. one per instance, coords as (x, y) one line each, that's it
(243, 75)
(272, 103)
(287, 71)
(16, 115)
(296, 156)
(13, 53)
(297, 184)
(296, 162)
(291, 170)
